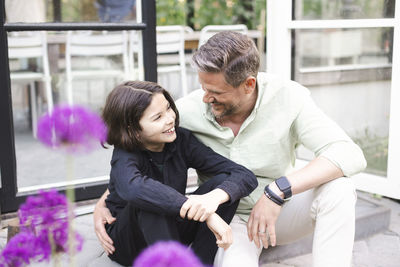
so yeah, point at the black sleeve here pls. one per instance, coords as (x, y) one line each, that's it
(143, 191)
(239, 182)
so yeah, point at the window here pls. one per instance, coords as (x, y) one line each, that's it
(27, 166)
(345, 52)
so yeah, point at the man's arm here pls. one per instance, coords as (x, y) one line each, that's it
(265, 212)
(101, 216)
(336, 156)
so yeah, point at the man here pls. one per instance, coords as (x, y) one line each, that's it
(258, 121)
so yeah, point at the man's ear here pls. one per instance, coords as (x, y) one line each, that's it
(250, 84)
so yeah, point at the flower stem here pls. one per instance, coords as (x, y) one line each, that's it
(71, 199)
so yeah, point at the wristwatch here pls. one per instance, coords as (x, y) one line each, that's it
(284, 185)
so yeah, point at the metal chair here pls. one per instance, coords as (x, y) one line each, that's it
(102, 45)
(210, 30)
(171, 41)
(34, 46)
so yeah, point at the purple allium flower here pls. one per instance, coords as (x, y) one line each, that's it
(46, 208)
(167, 254)
(20, 250)
(74, 128)
(46, 215)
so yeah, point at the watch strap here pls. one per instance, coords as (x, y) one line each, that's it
(272, 196)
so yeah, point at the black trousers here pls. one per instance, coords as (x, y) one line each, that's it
(136, 229)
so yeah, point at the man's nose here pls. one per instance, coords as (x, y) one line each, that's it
(207, 98)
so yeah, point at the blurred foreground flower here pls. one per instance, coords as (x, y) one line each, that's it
(73, 128)
(167, 254)
(45, 230)
(20, 250)
(47, 219)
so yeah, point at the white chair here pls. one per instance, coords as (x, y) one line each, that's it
(88, 44)
(210, 30)
(32, 46)
(135, 56)
(171, 40)
(188, 29)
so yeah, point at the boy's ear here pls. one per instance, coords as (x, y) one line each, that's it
(133, 133)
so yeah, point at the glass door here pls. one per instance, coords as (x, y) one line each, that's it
(347, 54)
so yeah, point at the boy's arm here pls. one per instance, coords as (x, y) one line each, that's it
(221, 230)
(200, 207)
(239, 181)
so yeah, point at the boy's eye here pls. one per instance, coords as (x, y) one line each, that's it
(157, 118)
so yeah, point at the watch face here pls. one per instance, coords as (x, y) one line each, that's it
(282, 183)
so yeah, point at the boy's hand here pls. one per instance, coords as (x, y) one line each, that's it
(200, 207)
(221, 230)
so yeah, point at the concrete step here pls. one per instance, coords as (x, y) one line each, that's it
(371, 218)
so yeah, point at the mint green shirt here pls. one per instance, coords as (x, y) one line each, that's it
(284, 117)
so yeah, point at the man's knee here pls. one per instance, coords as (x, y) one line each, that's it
(242, 252)
(245, 258)
(338, 194)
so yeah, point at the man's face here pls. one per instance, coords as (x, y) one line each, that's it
(224, 99)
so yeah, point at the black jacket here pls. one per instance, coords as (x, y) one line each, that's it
(136, 179)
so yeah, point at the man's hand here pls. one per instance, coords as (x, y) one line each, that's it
(101, 216)
(221, 230)
(262, 220)
(200, 207)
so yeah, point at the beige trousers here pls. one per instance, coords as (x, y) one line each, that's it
(328, 211)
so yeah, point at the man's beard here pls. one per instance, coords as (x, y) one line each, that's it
(227, 111)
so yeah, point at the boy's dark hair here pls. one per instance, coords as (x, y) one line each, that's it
(124, 108)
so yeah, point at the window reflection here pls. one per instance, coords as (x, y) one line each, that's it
(70, 10)
(343, 9)
(94, 75)
(339, 47)
(349, 75)
(25, 11)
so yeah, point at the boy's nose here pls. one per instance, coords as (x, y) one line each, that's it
(171, 119)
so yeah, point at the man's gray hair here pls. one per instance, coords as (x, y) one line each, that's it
(231, 53)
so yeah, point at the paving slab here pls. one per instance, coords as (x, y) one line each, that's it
(373, 249)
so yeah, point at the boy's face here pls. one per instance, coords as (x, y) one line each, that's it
(158, 124)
